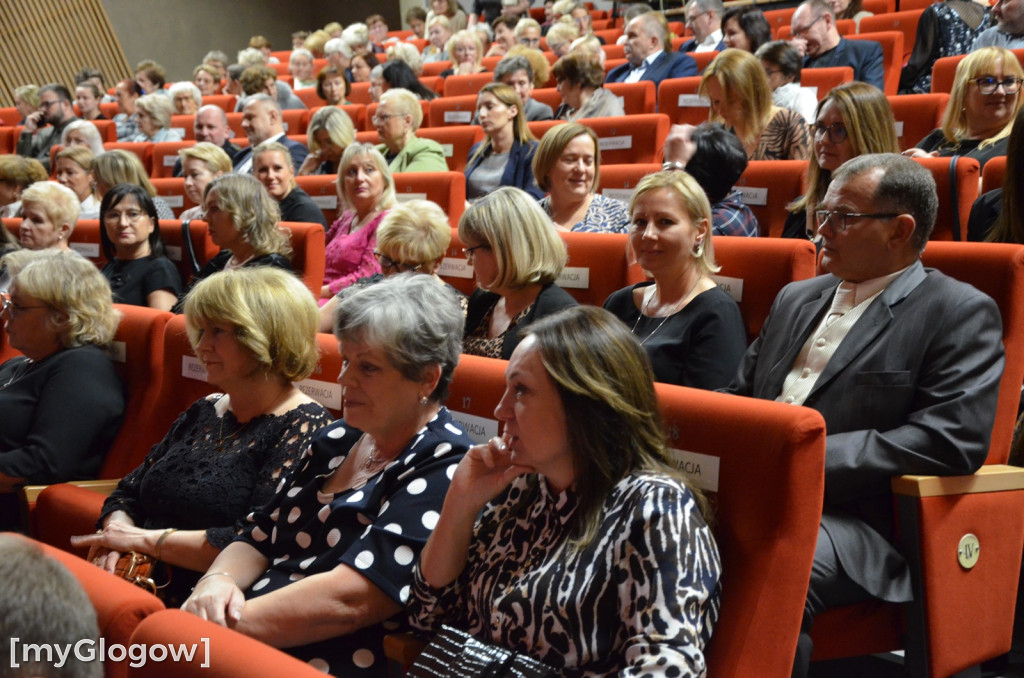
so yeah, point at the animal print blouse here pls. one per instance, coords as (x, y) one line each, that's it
(641, 600)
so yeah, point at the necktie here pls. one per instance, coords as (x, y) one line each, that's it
(841, 302)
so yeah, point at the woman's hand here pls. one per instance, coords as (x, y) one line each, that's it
(310, 164)
(217, 598)
(920, 153)
(484, 471)
(117, 537)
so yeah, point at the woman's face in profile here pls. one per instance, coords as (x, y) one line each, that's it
(28, 325)
(227, 362)
(376, 397)
(733, 36)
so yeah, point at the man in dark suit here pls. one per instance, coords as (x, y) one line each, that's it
(902, 362)
(646, 37)
(704, 19)
(815, 34)
(261, 121)
(211, 125)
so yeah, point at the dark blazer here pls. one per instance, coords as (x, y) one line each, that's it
(552, 298)
(667, 65)
(912, 389)
(297, 150)
(864, 56)
(691, 45)
(518, 171)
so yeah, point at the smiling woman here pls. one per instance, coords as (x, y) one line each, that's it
(272, 165)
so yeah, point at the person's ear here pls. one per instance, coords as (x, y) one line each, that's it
(903, 227)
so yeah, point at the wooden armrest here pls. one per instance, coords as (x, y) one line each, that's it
(30, 493)
(992, 478)
(403, 647)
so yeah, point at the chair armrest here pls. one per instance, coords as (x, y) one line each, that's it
(30, 493)
(991, 478)
(403, 648)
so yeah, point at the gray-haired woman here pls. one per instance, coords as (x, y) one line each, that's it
(349, 526)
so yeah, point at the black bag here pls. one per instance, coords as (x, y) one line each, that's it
(454, 654)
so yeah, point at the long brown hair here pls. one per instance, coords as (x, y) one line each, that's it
(506, 95)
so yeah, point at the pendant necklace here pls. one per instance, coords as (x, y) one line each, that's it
(676, 308)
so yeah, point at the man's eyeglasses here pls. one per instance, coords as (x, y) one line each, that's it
(989, 85)
(802, 31)
(13, 308)
(45, 105)
(691, 19)
(841, 220)
(389, 264)
(836, 132)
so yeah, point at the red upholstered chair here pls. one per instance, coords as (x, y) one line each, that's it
(452, 110)
(463, 85)
(679, 99)
(174, 239)
(165, 154)
(360, 93)
(172, 191)
(892, 55)
(186, 125)
(957, 186)
(768, 186)
(143, 149)
(455, 142)
(824, 79)
(225, 101)
(916, 115)
(905, 22)
(779, 18)
(634, 138)
(447, 189)
(307, 253)
(85, 240)
(619, 181)
(432, 68)
(993, 173)
(636, 97)
(323, 189)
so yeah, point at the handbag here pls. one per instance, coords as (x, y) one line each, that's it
(456, 654)
(137, 568)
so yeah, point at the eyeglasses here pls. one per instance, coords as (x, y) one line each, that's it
(691, 19)
(529, 42)
(389, 264)
(836, 132)
(468, 251)
(133, 216)
(381, 118)
(989, 85)
(45, 105)
(13, 308)
(802, 31)
(840, 220)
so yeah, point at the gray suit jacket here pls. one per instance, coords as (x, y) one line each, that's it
(911, 389)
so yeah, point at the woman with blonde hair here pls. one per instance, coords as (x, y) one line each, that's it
(74, 170)
(560, 37)
(329, 133)
(691, 329)
(853, 119)
(741, 98)
(201, 164)
(398, 117)
(26, 100)
(118, 166)
(505, 156)
(207, 79)
(272, 164)
(982, 104)
(516, 258)
(154, 113)
(466, 53)
(49, 216)
(439, 32)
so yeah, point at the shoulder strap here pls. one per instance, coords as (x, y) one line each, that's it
(186, 247)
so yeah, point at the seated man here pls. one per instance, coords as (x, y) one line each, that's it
(261, 121)
(704, 19)
(902, 362)
(1009, 29)
(715, 157)
(263, 80)
(646, 37)
(211, 124)
(43, 128)
(816, 36)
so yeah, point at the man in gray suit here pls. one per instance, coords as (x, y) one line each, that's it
(902, 362)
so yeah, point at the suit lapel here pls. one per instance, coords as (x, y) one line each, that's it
(806, 319)
(653, 72)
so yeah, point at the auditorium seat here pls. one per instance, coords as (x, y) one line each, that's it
(452, 110)
(447, 189)
(308, 261)
(165, 155)
(956, 194)
(308, 96)
(679, 99)
(619, 181)
(637, 97)
(434, 68)
(10, 116)
(323, 189)
(359, 93)
(905, 22)
(635, 138)
(779, 18)
(824, 79)
(917, 115)
(993, 174)
(186, 125)
(173, 236)
(172, 191)
(892, 55)
(463, 85)
(226, 102)
(455, 141)
(768, 186)
(143, 149)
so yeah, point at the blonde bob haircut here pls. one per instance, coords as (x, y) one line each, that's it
(524, 243)
(538, 62)
(75, 290)
(406, 103)
(507, 96)
(19, 171)
(353, 153)
(158, 106)
(742, 79)
(273, 314)
(60, 203)
(553, 144)
(211, 155)
(253, 212)
(980, 62)
(695, 203)
(465, 35)
(336, 122)
(80, 155)
(414, 232)
(118, 166)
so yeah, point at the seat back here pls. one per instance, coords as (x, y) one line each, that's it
(224, 101)
(85, 240)
(634, 138)
(172, 191)
(165, 155)
(768, 186)
(323, 189)
(308, 260)
(825, 79)
(636, 97)
(174, 240)
(452, 110)
(455, 142)
(777, 18)
(993, 174)
(619, 181)
(905, 22)
(916, 115)
(466, 85)
(957, 186)
(432, 68)
(892, 55)
(447, 189)
(184, 124)
(678, 98)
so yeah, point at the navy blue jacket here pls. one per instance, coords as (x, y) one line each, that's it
(667, 65)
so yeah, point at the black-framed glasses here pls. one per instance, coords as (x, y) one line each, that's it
(389, 264)
(840, 221)
(468, 251)
(802, 31)
(989, 85)
(690, 19)
(836, 132)
(13, 308)
(45, 105)
(133, 216)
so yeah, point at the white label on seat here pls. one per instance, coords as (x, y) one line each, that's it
(180, 131)
(173, 252)
(480, 429)
(406, 197)
(464, 117)
(326, 393)
(701, 468)
(623, 194)
(575, 277)
(734, 286)
(284, 125)
(169, 160)
(899, 128)
(325, 202)
(191, 368)
(174, 200)
(693, 101)
(448, 150)
(455, 268)
(614, 143)
(753, 195)
(89, 250)
(118, 351)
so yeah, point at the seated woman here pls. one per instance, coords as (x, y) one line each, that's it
(62, 402)
(740, 96)
(451, 11)
(88, 97)
(272, 165)
(945, 28)
(849, 9)
(16, 175)
(333, 87)
(579, 78)
(568, 166)
(118, 166)
(414, 236)
(186, 97)
(466, 53)
(560, 36)
(26, 100)
(348, 526)
(154, 119)
(439, 32)
(74, 171)
(207, 79)
(255, 333)
(516, 258)
(329, 133)
(361, 66)
(300, 65)
(49, 216)
(853, 119)
(399, 75)
(597, 518)
(996, 214)
(82, 133)
(201, 164)
(505, 156)
(745, 28)
(782, 64)
(398, 116)
(366, 192)
(691, 329)
(137, 267)
(982, 104)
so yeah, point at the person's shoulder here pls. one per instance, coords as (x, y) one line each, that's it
(653, 490)
(88, 357)
(622, 299)
(861, 47)
(454, 440)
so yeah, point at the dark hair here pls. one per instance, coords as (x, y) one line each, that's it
(851, 11)
(513, 64)
(1008, 226)
(785, 56)
(60, 90)
(112, 199)
(131, 86)
(415, 13)
(330, 72)
(86, 73)
(752, 22)
(718, 161)
(399, 74)
(370, 59)
(509, 21)
(580, 68)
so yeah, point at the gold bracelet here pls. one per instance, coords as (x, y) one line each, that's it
(160, 542)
